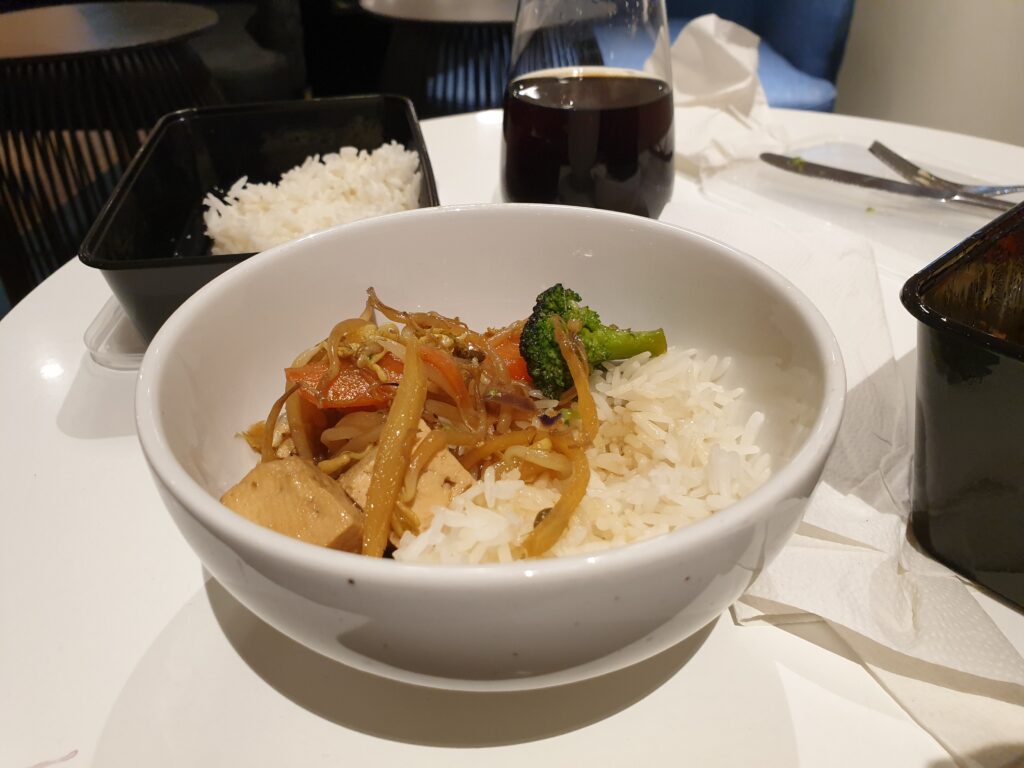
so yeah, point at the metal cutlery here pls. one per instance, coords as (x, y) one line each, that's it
(918, 175)
(816, 170)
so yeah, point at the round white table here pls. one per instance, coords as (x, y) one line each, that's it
(116, 650)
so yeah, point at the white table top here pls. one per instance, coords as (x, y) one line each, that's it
(115, 649)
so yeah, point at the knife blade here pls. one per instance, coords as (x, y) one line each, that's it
(818, 171)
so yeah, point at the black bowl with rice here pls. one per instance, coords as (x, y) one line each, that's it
(197, 199)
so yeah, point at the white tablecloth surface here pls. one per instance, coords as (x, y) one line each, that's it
(116, 651)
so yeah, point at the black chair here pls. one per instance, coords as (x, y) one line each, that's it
(453, 67)
(802, 44)
(70, 122)
(255, 51)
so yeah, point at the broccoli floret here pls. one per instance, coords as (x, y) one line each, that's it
(602, 342)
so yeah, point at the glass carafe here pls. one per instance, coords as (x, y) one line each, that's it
(588, 106)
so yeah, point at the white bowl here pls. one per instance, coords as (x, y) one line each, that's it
(215, 367)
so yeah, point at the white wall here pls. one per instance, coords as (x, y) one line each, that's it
(952, 64)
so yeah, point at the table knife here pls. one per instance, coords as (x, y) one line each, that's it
(816, 170)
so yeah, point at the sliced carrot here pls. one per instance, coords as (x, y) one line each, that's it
(353, 387)
(449, 371)
(508, 351)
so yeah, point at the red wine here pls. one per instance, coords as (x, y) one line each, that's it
(603, 141)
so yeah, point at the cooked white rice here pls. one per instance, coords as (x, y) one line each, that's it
(323, 191)
(673, 447)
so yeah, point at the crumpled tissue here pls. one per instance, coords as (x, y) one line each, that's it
(721, 107)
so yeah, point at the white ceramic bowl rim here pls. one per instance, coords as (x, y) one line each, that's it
(213, 514)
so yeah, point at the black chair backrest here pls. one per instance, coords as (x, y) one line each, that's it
(68, 128)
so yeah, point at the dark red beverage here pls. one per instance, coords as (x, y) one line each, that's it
(600, 140)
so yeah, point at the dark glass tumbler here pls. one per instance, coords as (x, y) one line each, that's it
(588, 108)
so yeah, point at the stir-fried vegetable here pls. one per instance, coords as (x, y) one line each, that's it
(508, 351)
(267, 444)
(542, 354)
(393, 454)
(421, 403)
(550, 529)
(350, 387)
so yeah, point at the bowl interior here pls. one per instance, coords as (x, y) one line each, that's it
(216, 366)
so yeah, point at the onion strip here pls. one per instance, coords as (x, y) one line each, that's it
(528, 472)
(334, 340)
(418, 321)
(444, 410)
(351, 426)
(297, 426)
(556, 462)
(493, 363)
(336, 464)
(576, 360)
(393, 452)
(496, 445)
(458, 413)
(547, 533)
(309, 355)
(365, 439)
(504, 420)
(423, 454)
(506, 333)
(438, 440)
(404, 520)
(267, 449)
(367, 314)
(437, 379)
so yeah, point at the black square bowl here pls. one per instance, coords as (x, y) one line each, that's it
(149, 240)
(968, 476)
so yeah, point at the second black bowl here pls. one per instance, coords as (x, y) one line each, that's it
(968, 490)
(149, 240)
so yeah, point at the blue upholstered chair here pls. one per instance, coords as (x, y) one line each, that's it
(802, 43)
(449, 68)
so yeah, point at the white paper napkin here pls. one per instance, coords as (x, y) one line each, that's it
(722, 106)
(912, 623)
